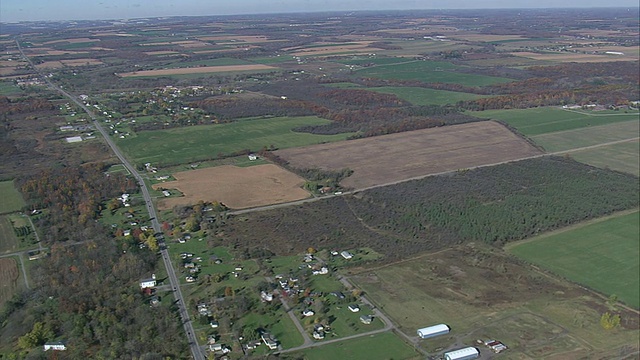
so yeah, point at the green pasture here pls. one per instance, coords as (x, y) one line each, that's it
(271, 59)
(623, 157)
(279, 325)
(424, 96)
(588, 136)
(9, 88)
(205, 74)
(543, 120)
(194, 143)
(379, 346)
(11, 198)
(602, 255)
(375, 60)
(8, 240)
(428, 71)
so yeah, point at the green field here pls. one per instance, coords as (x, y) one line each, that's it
(202, 142)
(545, 120)
(623, 157)
(210, 62)
(588, 136)
(8, 240)
(8, 88)
(379, 346)
(427, 71)
(424, 96)
(11, 198)
(602, 255)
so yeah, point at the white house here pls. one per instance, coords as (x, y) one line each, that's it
(55, 345)
(148, 283)
(266, 296)
(347, 255)
(269, 340)
(253, 157)
(308, 312)
(354, 308)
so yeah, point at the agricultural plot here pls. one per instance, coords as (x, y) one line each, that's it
(236, 187)
(198, 70)
(576, 57)
(601, 254)
(11, 198)
(589, 136)
(544, 120)
(8, 240)
(623, 157)
(483, 294)
(413, 154)
(379, 346)
(424, 96)
(428, 71)
(9, 276)
(194, 143)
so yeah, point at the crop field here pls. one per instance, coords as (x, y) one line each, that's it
(379, 346)
(424, 96)
(396, 157)
(9, 276)
(197, 70)
(601, 254)
(427, 71)
(482, 293)
(588, 136)
(236, 187)
(576, 57)
(536, 121)
(194, 143)
(8, 239)
(11, 198)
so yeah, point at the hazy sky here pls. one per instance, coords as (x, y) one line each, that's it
(28, 10)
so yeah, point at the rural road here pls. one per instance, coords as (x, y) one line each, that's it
(196, 351)
(294, 318)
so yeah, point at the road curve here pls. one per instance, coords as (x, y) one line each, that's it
(196, 351)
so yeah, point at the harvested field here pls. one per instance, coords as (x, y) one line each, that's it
(8, 279)
(233, 38)
(50, 65)
(197, 70)
(362, 46)
(81, 62)
(166, 52)
(571, 57)
(71, 41)
(486, 37)
(396, 157)
(236, 187)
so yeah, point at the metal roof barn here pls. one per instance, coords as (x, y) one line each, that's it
(432, 331)
(462, 354)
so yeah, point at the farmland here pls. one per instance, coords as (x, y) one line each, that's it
(537, 121)
(197, 70)
(413, 154)
(379, 346)
(424, 96)
(481, 293)
(177, 146)
(236, 187)
(9, 276)
(602, 255)
(588, 136)
(623, 157)
(427, 71)
(11, 198)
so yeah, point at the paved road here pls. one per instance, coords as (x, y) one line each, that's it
(294, 318)
(196, 351)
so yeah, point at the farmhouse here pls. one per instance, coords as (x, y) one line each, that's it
(55, 345)
(432, 331)
(253, 157)
(354, 308)
(366, 319)
(462, 354)
(269, 340)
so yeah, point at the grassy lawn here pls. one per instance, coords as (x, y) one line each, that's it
(279, 325)
(194, 143)
(8, 88)
(11, 198)
(379, 346)
(545, 120)
(602, 255)
(427, 71)
(423, 96)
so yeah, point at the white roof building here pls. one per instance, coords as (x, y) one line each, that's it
(347, 255)
(462, 354)
(55, 345)
(432, 331)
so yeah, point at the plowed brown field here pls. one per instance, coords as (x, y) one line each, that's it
(396, 157)
(236, 187)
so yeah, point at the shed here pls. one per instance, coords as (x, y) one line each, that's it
(462, 354)
(432, 331)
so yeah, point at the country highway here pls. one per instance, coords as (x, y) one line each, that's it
(196, 351)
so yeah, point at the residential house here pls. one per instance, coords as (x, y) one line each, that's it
(148, 283)
(353, 308)
(346, 255)
(366, 319)
(55, 345)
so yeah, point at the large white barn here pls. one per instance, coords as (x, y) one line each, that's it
(432, 331)
(462, 354)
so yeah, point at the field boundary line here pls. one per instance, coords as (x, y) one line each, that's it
(600, 115)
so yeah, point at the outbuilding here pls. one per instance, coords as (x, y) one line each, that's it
(432, 331)
(462, 354)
